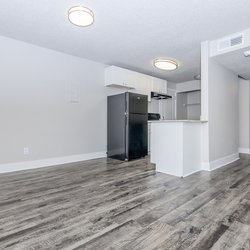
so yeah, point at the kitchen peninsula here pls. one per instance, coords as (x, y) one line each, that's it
(176, 146)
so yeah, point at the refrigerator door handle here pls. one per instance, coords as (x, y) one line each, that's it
(126, 135)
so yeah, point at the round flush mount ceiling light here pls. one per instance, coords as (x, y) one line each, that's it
(81, 16)
(165, 64)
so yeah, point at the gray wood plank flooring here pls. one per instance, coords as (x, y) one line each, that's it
(108, 204)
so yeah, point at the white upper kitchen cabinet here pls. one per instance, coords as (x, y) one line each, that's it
(132, 81)
(158, 85)
(142, 84)
(119, 77)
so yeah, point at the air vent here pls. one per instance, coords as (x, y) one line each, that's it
(230, 42)
(237, 40)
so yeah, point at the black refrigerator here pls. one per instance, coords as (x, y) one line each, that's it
(127, 126)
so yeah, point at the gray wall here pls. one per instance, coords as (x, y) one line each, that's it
(181, 108)
(188, 93)
(36, 85)
(188, 105)
(194, 107)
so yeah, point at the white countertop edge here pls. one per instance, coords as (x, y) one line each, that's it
(167, 121)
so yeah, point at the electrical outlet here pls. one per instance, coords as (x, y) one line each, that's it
(26, 151)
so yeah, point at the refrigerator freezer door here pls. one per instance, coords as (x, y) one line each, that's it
(137, 104)
(137, 136)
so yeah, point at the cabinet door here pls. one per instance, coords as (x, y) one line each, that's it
(115, 76)
(159, 85)
(156, 84)
(142, 84)
(129, 78)
(163, 87)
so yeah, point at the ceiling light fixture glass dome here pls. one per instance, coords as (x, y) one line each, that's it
(165, 64)
(81, 16)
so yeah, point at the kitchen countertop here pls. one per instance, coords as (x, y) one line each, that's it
(167, 121)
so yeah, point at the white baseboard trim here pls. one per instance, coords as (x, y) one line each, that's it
(178, 175)
(220, 162)
(244, 150)
(205, 166)
(169, 173)
(17, 166)
(196, 171)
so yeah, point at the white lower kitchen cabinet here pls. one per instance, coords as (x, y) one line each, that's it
(176, 147)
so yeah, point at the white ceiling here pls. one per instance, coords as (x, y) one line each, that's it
(128, 33)
(236, 62)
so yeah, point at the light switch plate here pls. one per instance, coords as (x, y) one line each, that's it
(26, 151)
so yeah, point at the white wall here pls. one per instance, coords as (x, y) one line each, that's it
(153, 106)
(188, 86)
(36, 112)
(220, 137)
(171, 85)
(244, 116)
(223, 112)
(170, 111)
(168, 108)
